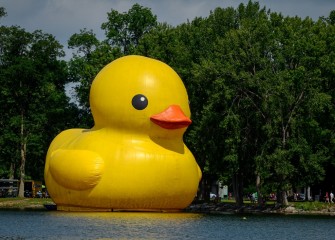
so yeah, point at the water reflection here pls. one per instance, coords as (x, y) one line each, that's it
(130, 225)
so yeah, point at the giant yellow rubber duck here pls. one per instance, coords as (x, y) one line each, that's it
(134, 157)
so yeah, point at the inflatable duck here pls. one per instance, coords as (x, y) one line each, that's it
(134, 157)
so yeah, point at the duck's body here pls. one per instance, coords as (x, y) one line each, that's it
(126, 161)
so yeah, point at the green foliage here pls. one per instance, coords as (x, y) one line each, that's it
(2, 12)
(85, 42)
(126, 29)
(32, 97)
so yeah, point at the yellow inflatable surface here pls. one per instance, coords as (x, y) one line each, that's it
(134, 158)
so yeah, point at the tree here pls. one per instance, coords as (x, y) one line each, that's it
(32, 90)
(225, 93)
(2, 12)
(296, 99)
(125, 30)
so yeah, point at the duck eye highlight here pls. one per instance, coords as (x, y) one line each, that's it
(139, 102)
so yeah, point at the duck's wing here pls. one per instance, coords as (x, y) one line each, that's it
(76, 169)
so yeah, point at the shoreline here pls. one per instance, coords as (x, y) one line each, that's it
(226, 208)
(35, 204)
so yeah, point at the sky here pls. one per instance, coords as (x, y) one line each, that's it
(62, 18)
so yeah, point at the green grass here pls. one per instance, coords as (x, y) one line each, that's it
(24, 202)
(306, 206)
(10, 199)
(311, 206)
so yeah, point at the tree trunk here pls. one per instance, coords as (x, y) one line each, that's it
(258, 188)
(282, 198)
(204, 188)
(11, 171)
(207, 188)
(23, 158)
(238, 188)
(281, 192)
(307, 192)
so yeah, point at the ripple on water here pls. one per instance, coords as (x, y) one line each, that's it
(17, 225)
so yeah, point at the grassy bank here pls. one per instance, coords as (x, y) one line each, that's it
(305, 206)
(313, 206)
(229, 206)
(24, 203)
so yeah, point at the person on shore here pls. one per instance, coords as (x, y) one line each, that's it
(327, 197)
(331, 196)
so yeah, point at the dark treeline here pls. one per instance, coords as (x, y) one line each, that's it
(261, 89)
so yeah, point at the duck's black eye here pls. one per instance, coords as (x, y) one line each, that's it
(139, 102)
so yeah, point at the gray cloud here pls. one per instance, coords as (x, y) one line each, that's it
(62, 18)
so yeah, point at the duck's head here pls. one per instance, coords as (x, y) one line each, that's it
(141, 95)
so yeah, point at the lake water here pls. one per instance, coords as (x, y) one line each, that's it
(15, 225)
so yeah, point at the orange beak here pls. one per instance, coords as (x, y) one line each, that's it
(171, 118)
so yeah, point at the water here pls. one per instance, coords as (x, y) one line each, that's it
(15, 225)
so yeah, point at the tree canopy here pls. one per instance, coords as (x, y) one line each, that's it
(34, 105)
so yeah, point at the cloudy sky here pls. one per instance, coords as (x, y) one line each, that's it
(62, 18)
